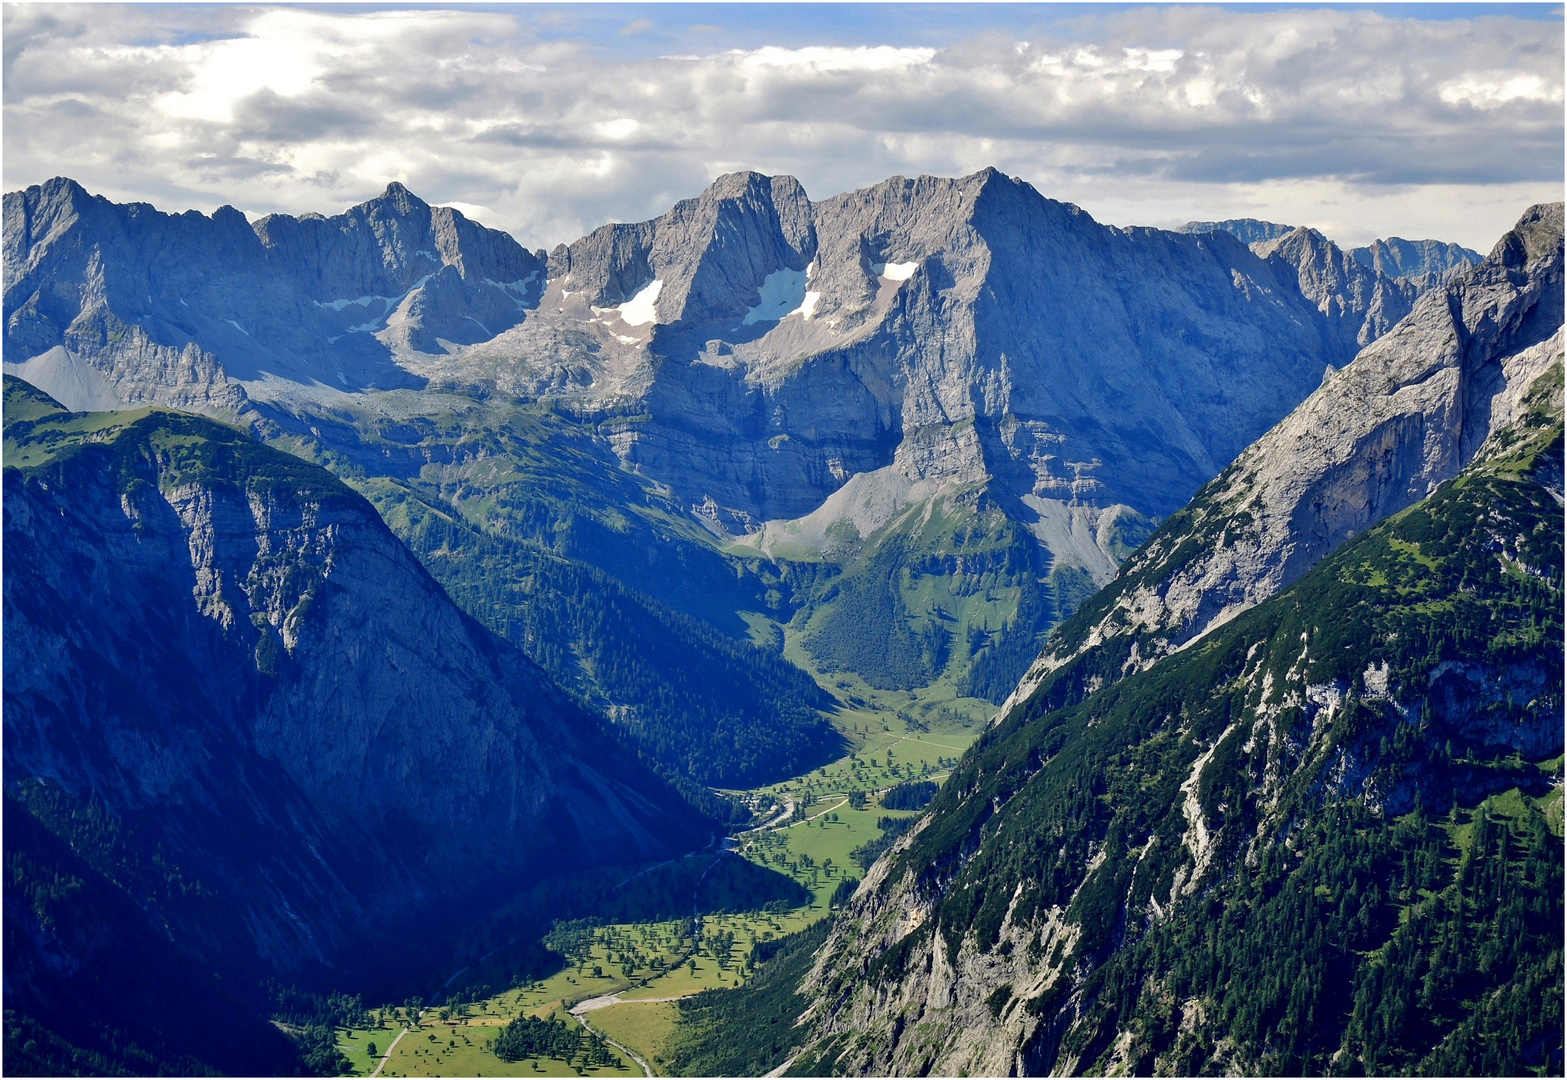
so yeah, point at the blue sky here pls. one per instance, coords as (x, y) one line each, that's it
(546, 120)
(677, 26)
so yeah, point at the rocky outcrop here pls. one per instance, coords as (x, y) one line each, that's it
(123, 303)
(1378, 436)
(1424, 263)
(227, 650)
(771, 347)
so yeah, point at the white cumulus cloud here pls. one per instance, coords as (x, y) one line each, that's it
(1361, 123)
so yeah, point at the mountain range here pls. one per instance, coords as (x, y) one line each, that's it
(334, 536)
(954, 405)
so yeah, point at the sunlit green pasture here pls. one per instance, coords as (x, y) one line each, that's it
(644, 1026)
(460, 1047)
(643, 944)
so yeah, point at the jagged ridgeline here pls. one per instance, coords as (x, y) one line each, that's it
(1287, 797)
(891, 437)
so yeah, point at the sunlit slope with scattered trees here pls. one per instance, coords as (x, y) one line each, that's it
(1327, 837)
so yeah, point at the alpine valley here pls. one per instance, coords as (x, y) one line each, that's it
(920, 632)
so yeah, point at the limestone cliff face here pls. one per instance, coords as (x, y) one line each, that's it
(229, 651)
(108, 303)
(1378, 436)
(1424, 263)
(1357, 302)
(751, 348)
(771, 347)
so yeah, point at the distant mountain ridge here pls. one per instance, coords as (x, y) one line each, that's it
(1426, 262)
(1246, 230)
(177, 308)
(1423, 263)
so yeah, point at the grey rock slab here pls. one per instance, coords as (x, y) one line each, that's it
(1411, 411)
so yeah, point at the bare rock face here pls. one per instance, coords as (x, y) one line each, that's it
(228, 650)
(1357, 303)
(767, 346)
(712, 254)
(771, 347)
(425, 273)
(107, 303)
(1378, 436)
(1425, 263)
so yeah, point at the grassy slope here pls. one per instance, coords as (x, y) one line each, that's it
(597, 575)
(951, 599)
(530, 522)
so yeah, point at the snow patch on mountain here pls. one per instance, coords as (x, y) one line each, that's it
(642, 308)
(782, 294)
(895, 271)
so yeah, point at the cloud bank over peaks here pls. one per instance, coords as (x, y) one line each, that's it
(1358, 123)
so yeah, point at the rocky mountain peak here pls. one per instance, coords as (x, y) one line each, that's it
(1411, 411)
(1247, 230)
(1428, 262)
(1535, 240)
(1357, 303)
(396, 191)
(710, 256)
(108, 304)
(1298, 241)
